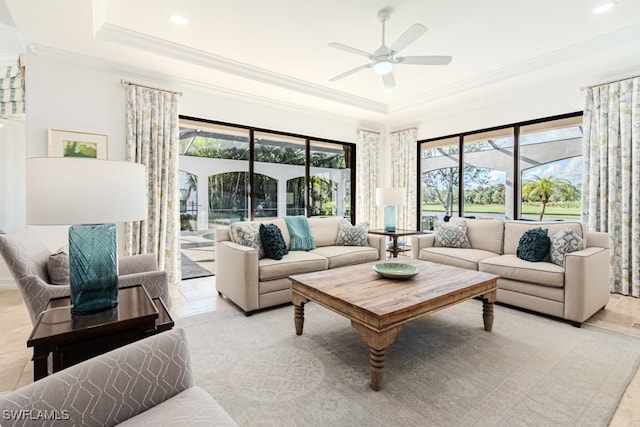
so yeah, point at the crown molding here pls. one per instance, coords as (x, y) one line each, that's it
(175, 83)
(626, 35)
(125, 37)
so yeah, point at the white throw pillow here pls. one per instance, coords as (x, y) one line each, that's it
(452, 235)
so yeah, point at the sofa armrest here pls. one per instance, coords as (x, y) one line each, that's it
(137, 263)
(237, 274)
(37, 293)
(379, 242)
(586, 282)
(155, 282)
(109, 388)
(597, 238)
(421, 241)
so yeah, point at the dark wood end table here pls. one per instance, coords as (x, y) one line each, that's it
(73, 338)
(393, 236)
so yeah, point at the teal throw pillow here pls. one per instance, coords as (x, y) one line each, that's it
(352, 235)
(452, 235)
(563, 242)
(534, 245)
(272, 241)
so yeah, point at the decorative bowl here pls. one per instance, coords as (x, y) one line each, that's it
(395, 270)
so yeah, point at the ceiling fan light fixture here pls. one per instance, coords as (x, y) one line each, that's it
(382, 67)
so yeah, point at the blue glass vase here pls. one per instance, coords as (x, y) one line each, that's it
(93, 268)
(390, 218)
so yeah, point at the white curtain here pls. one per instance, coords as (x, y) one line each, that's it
(152, 139)
(404, 174)
(367, 153)
(611, 187)
(12, 88)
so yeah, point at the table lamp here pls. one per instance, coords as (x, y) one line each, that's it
(390, 198)
(93, 194)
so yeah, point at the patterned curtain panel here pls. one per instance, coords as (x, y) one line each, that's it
(403, 174)
(611, 187)
(367, 177)
(152, 139)
(12, 88)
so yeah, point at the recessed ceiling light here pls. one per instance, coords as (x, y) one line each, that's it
(604, 6)
(179, 19)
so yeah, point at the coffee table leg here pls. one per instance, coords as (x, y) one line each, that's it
(298, 315)
(487, 309)
(378, 343)
(299, 318)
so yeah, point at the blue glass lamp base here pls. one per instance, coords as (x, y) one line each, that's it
(93, 268)
(390, 218)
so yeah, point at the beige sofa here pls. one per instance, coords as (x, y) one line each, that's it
(148, 382)
(254, 284)
(574, 291)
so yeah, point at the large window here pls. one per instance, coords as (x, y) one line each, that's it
(542, 181)
(232, 173)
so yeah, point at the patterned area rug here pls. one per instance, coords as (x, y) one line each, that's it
(443, 370)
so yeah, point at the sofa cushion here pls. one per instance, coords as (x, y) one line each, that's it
(278, 221)
(485, 234)
(194, 406)
(58, 267)
(457, 257)
(514, 268)
(452, 235)
(272, 241)
(339, 256)
(563, 242)
(534, 245)
(249, 235)
(513, 230)
(352, 235)
(295, 262)
(325, 229)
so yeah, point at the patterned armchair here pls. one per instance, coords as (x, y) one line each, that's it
(27, 258)
(148, 382)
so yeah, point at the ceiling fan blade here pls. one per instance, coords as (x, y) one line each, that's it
(349, 49)
(409, 36)
(348, 73)
(424, 60)
(389, 80)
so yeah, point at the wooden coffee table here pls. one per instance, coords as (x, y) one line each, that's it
(378, 307)
(72, 338)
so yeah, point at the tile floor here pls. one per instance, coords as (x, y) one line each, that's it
(196, 296)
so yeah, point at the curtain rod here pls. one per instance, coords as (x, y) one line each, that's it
(370, 131)
(402, 130)
(126, 82)
(582, 88)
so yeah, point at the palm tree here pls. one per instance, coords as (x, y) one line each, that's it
(544, 189)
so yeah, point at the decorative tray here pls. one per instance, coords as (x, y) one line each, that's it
(395, 270)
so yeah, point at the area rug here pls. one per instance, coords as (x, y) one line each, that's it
(443, 370)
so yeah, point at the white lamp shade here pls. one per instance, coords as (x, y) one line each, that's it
(67, 190)
(390, 196)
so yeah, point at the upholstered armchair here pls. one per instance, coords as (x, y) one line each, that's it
(27, 258)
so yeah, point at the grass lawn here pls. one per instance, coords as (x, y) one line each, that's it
(527, 209)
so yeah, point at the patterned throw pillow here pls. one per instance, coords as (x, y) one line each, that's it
(534, 245)
(563, 242)
(250, 236)
(352, 235)
(58, 267)
(452, 235)
(272, 241)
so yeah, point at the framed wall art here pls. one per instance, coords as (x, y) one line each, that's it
(68, 143)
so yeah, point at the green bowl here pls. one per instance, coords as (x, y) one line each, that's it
(395, 270)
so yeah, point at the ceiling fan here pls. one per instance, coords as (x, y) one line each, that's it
(382, 60)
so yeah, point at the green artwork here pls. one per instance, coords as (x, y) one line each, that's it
(80, 149)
